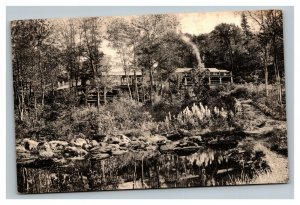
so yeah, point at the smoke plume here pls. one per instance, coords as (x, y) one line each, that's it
(189, 42)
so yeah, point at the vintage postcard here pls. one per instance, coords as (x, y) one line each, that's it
(149, 101)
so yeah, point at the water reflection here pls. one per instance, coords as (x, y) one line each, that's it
(142, 170)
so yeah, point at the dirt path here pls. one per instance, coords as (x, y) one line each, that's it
(260, 124)
(278, 165)
(257, 122)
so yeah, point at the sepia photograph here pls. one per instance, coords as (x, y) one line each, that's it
(152, 101)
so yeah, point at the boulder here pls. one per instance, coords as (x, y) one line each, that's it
(57, 144)
(45, 150)
(196, 139)
(20, 148)
(123, 138)
(94, 143)
(154, 139)
(113, 146)
(136, 144)
(166, 148)
(80, 142)
(184, 132)
(118, 152)
(30, 144)
(151, 148)
(100, 156)
(97, 150)
(124, 144)
(74, 152)
(112, 140)
(60, 161)
(185, 143)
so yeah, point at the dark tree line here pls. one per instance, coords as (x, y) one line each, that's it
(255, 48)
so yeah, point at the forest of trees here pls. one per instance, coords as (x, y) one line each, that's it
(46, 50)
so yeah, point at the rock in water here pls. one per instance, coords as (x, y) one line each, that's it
(112, 140)
(118, 152)
(30, 144)
(94, 143)
(20, 148)
(57, 143)
(74, 152)
(45, 150)
(196, 139)
(79, 142)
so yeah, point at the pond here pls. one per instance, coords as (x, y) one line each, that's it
(210, 165)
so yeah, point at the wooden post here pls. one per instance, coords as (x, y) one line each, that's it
(136, 87)
(220, 80)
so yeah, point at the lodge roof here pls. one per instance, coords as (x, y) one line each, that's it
(212, 70)
(215, 70)
(182, 70)
(121, 73)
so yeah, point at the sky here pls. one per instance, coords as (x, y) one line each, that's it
(199, 23)
(192, 23)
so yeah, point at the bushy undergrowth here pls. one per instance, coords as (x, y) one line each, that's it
(58, 120)
(119, 116)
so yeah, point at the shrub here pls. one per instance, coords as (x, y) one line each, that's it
(198, 116)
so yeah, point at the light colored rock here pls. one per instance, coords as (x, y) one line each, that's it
(57, 144)
(123, 138)
(124, 144)
(112, 140)
(61, 161)
(151, 148)
(74, 151)
(30, 144)
(97, 150)
(20, 148)
(118, 152)
(197, 139)
(45, 150)
(154, 139)
(113, 146)
(94, 143)
(101, 156)
(80, 142)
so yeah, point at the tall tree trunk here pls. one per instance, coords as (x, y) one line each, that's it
(42, 78)
(231, 56)
(43, 94)
(151, 86)
(98, 99)
(266, 69)
(277, 74)
(21, 105)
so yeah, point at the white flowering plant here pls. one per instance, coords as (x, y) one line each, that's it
(197, 116)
